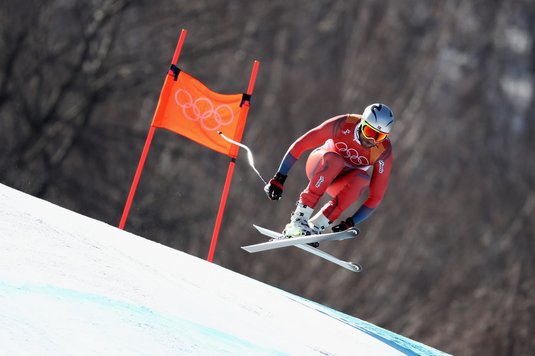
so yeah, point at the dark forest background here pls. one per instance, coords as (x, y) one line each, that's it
(448, 256)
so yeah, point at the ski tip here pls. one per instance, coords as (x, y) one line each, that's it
(355, 267)
(258, 227)
(355, 231)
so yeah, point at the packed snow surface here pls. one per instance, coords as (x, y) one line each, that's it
(73, 285)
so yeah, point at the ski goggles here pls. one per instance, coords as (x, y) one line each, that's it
(372, 134)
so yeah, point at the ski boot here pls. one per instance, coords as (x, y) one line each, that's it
(298, 225)
(317, 225)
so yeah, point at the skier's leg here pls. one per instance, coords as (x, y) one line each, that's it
(345, 191)
(322, 169)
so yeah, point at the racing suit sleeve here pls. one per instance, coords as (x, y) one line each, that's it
(378, 184)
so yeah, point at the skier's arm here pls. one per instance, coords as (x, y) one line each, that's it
(312, 139)
(361, 214)
(379, 181)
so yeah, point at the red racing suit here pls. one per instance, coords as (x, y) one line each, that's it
(340, 166)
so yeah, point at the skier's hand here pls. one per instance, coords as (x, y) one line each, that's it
(344, 225)
(275, 186)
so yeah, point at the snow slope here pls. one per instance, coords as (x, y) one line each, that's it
(73, 285)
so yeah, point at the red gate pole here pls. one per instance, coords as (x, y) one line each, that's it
(230, 172)
(139, 169)
(146, 148)
(221, 210)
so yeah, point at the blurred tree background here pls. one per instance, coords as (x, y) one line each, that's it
(448, 256)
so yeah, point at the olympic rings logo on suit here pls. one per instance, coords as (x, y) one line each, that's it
(211, 119)
(351, 154)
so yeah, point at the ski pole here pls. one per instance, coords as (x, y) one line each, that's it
(249, 154)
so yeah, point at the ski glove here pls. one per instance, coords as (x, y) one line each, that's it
(344, 225)
(275, 186)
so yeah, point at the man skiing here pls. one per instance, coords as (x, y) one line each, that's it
(346, 147)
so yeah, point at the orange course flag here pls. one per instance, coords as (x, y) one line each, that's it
(188, 108)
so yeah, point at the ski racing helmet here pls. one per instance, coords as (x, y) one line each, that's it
(377, 121)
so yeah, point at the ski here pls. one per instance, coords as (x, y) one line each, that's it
(285, 242)
(279, 242)
(354, 267)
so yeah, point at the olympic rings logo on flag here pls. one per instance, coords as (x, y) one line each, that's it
(351, 154)
(211, 119)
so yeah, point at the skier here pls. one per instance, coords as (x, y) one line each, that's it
(346, 147)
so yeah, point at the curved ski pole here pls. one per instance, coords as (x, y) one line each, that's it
(249, 154)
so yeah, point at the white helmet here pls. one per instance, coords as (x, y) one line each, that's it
(379, 116)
